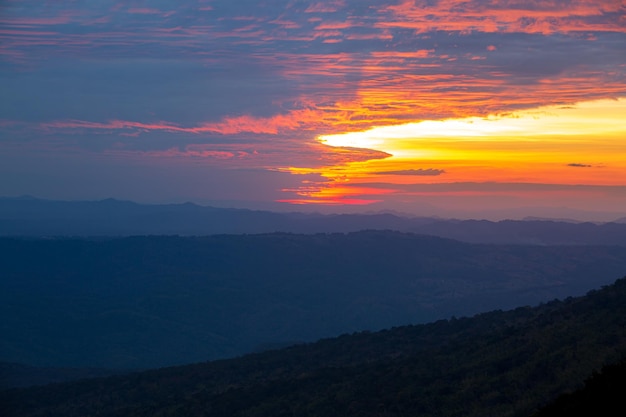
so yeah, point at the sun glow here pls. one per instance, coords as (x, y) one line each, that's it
(545, 125)
(581, 144)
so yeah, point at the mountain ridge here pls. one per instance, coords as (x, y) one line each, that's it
(110, 217)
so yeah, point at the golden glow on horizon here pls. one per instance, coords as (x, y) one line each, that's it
(581, 144)
(549, 124)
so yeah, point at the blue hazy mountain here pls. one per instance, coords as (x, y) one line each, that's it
(29, 216)
(148, 301)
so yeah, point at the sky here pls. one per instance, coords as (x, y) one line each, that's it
(478, 108)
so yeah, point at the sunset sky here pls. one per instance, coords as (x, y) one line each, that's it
(479, 108)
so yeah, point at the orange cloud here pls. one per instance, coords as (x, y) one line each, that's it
(337, 195)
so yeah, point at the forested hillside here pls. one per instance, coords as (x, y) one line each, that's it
(144, 302)
(495, 364)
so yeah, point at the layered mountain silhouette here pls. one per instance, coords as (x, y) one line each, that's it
(108, 287)
(34, 217)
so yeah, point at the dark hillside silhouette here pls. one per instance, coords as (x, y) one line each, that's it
(503, 364)
(602, 395)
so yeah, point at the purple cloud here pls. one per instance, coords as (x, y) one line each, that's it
(577, 165)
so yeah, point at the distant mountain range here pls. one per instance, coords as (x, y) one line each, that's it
(34, 217)
(148, 301)
(504, 364)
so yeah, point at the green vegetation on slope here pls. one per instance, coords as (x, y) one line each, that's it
(495, 364)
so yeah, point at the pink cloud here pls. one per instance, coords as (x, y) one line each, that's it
(194, 151)
(27, 22)
(301, 119)
(334, 25)
(330, 6)
(113, 125)
(538, 16)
